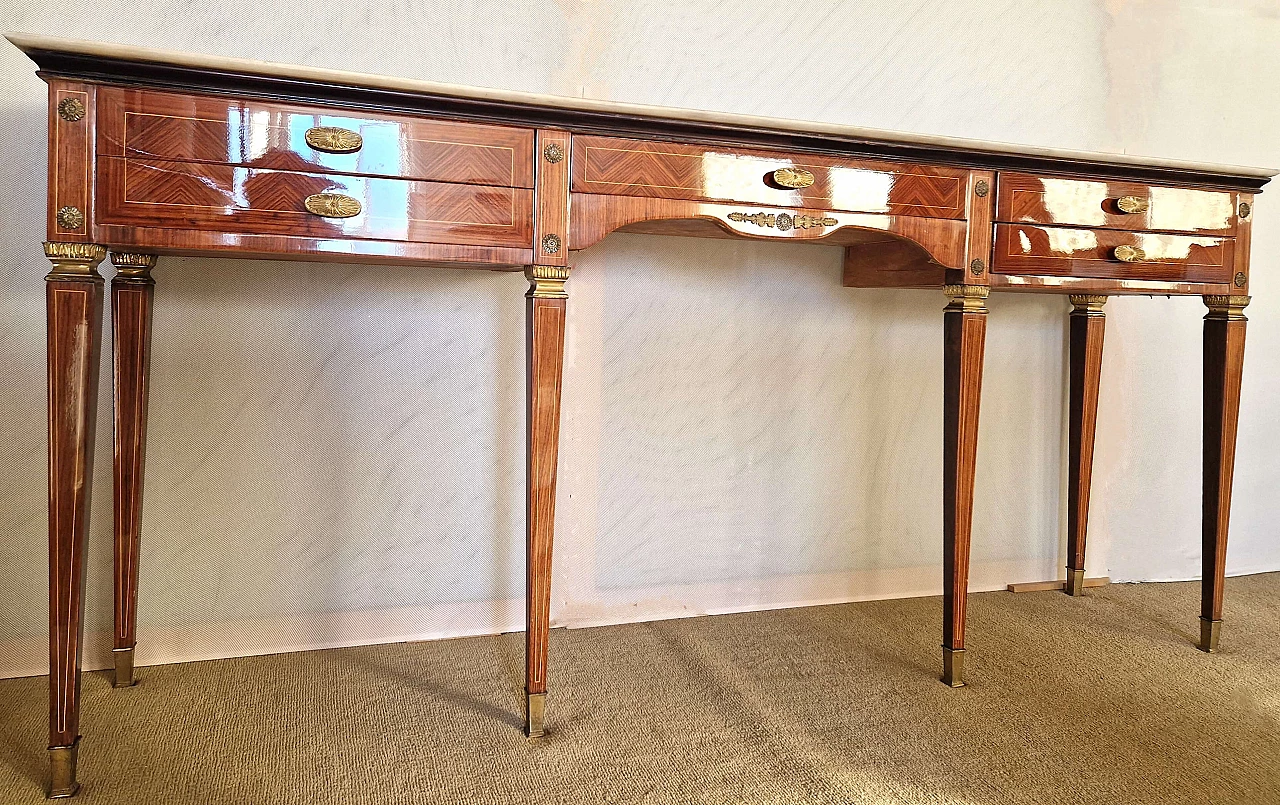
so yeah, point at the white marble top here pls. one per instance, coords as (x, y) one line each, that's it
(38, 42)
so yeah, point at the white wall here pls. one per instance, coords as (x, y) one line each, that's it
(336, 452)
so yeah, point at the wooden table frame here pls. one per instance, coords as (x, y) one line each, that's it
(960, 217)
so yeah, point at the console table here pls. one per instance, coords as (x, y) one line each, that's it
(156, 153)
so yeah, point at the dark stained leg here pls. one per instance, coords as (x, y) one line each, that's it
(545, 319)
(1087, 323)
(131, 292)
(1224, 329)
(965, 329)
(73, 292)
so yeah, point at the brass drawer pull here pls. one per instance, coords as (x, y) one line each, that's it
(793, 178)
(334, 140)
(332, 205)
(1129, 254)
(1132, 204)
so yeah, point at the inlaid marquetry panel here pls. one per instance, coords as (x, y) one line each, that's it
(228, 198)
(612, 166)
(1059, 251)
(199, 128)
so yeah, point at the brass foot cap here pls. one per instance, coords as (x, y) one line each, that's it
(535, 708)
(1075, 582)
(62, 771)
(1210, 630)
(953, 667)
(124, 668)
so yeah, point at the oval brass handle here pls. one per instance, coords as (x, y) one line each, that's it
(1132, 204)
(1129, 254)
(793, 178)
(334, 140)
(332, 205)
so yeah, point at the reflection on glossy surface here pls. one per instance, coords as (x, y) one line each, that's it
(1075, 202)
(1176, 208)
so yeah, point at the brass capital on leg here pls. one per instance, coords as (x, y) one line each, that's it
(124, 668)
(74, 261)
(547, 282)
(953, 667)
(967, 298)
(133, 265)
(1210, 630)
(62, 768)
(535, 709)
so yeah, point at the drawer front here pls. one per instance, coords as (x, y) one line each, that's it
(232, 198)
(198, 128)
(612, 166)
(1113, 205)
(1063, 252)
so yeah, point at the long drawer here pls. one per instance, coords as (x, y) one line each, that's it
(231, 198)
(233, 131)
(615, 166)
(1132, 206)
(1102, 253)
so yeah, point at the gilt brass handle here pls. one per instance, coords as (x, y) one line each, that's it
(793, 178)
(332, 205)
(1132, 204)
(334, 140)
(1129, 254)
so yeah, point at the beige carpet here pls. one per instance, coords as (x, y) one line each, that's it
(1097, 700)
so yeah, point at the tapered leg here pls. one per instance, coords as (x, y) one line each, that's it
(74, 299)
(965, 324)
(131, 292)
(1224, 328)
(1087, 322)
(545, 317)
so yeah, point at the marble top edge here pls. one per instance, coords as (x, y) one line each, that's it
(29, 43)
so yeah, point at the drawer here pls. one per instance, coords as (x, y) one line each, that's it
(231, 198)
(230, 131)
(1063, 252)
(612, 166)
(1022, 198)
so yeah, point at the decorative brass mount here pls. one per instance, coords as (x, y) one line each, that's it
(1132, 204)
(332, 205)
(334, 140)
(1129, 254)
(71, 109)
(782, 221)
(793, 178)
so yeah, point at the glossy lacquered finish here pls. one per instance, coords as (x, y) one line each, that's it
(258, 134)
(227, 198)
(151, 157)
(1074, 202)
(614, 166)
(1023, 249)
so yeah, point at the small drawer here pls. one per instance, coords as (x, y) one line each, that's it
(612, 166)
(1103, 253)
(256, 134)
(1023, 198)
(231, 198)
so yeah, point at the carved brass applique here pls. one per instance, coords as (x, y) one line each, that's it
(332, 205)
(71, 109)
(551, 244)
(334, 140)
(1240, 279)
(553, 153)
(1132, 204)
(782, 221)
(977, 267)
(1129, 254)
(981, 188)
(1245, 209)
(794, 178)
(70, 218)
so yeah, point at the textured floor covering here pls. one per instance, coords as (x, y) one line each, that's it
(1094, 700)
